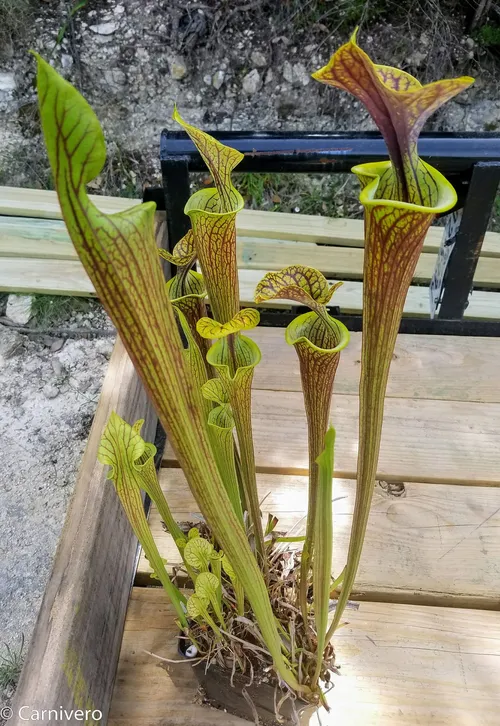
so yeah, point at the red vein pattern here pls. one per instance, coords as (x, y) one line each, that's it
(120, 255)
(215, 239)
(394, 239)
(303, 284)
(318, 347)
(399, 105)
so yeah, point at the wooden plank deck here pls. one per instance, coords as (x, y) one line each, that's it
(36, 255)
(422, 440)
(423, 546)
(423, 646)
(401, 665)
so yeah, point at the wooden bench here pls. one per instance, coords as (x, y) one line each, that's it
(36, 255)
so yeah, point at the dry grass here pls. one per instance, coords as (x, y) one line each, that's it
(239, 648)
(15, 17)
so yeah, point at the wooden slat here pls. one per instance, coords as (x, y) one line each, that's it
(422, 440)
(343, 263)
(36, 238)
(424, 366)
(51, 277)
(251, 223)
(67, 277)
(401, 665)
(73, 654)
(39, 238)
(422, 546)
(43, 203)
(62, 276)
(327, 230)
(482, 305)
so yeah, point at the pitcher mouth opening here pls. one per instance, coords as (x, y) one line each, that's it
(205, 201)
(374, 171)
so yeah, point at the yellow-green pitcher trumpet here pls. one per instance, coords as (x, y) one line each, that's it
(401, 198)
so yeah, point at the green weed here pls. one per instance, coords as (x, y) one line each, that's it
(488, 36)
(10, 666)
(49, 311)
(328, 195)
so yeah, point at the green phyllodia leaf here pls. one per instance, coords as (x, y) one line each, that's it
(221, 424)
(399, 105)
(296, 282)
(197, 607)
(323, 546)
(120, 255)
(243, 320)
(197, 553)
(130, 459)
(207, 588)
(235, 358)
(206, 585)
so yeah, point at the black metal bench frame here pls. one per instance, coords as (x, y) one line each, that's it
(470, 161)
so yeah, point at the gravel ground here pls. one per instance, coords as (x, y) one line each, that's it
(49, 388)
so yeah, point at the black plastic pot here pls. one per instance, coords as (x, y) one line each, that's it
(219, 693)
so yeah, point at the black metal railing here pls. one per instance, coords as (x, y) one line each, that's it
(470, 161)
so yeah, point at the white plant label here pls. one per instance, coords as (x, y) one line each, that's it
(451, 228)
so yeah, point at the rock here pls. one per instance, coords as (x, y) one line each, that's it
(66, 61)
(58, 367)
(104, 28)
(417, 58)
(252, 82)
(7, 82)
(104, 346)
(57, 345)
(218, 79)
(119, 10)
(115, 78)
(301, 76)
(287, 104)
(178, 68)
(18, 309)
(483, 116)
(297, 74)
(50, 391)
(258, 59)
(207, 79)
(10, 342)
(269, 76)
(288, 72)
